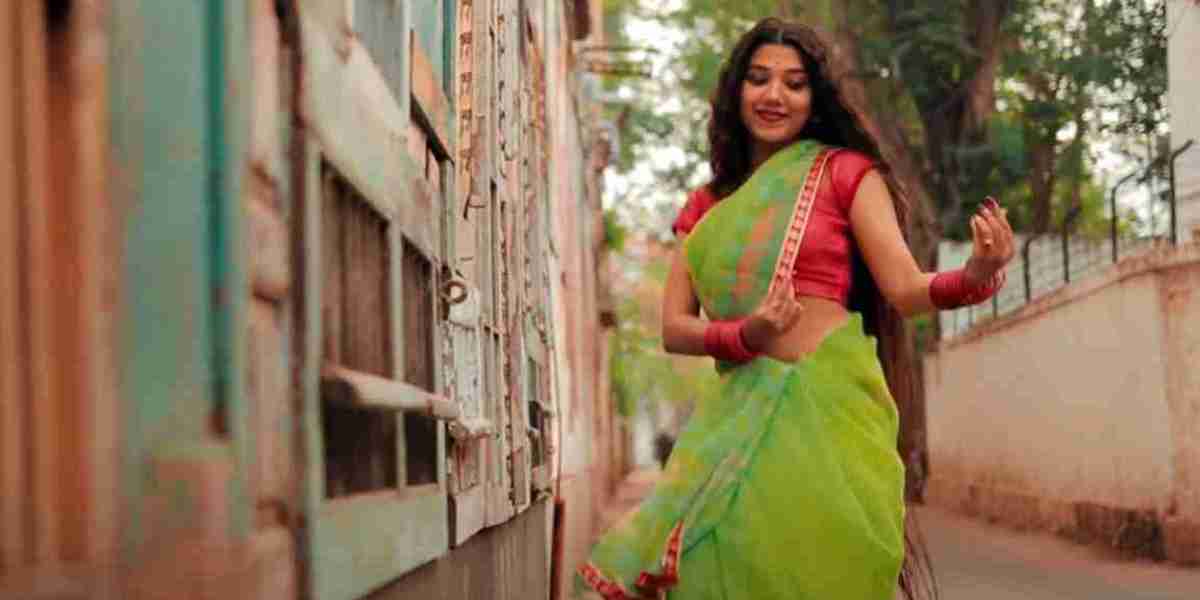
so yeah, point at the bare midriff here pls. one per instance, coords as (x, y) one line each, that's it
(820, 317)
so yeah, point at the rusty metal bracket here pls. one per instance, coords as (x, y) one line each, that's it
(455, 291)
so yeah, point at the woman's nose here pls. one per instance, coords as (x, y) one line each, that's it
(773, 91)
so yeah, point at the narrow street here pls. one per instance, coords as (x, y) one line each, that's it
(984, 562)
(977, 561)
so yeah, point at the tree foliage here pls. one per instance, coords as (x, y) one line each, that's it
(1081, 71)
(969, 97)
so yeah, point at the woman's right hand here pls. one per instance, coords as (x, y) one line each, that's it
(773, 317)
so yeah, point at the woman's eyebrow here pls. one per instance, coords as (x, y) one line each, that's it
(791, 71)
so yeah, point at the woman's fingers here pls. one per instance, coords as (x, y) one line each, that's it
(997, 218)
(979, 248)
(780, 292)
(788, 318)
(769, 309)
(1009, 235)
(1004, 238)
(767, 306)
(1002, 216)
(999, 236)
(781, 308)
(1008, 249)
(992, 236)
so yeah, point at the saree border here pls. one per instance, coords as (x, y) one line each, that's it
(785, 264)
(654, 584)
(607, 588)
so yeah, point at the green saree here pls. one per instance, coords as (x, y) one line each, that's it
(788, 483)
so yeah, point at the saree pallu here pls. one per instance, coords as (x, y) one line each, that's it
(787, 483)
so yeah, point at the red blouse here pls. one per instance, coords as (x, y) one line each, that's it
(825, 262)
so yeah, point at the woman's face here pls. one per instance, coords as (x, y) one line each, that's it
(776, 99)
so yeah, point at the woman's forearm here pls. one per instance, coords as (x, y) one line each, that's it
(912, 298)
(684, 334)
(682, 328)
(945, 290)
(909, 290)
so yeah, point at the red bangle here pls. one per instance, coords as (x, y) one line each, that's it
(723, 341)
(949, 289)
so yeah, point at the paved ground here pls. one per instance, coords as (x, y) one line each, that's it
(977, 561)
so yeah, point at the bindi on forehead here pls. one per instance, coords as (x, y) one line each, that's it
(777, 58)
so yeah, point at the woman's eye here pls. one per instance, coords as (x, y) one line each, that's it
(797, 84)
(756, 78)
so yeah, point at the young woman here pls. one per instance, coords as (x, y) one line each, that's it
(789, 485)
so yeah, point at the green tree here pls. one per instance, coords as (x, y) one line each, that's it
(1080, 71)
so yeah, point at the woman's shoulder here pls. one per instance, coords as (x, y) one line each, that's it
(698, 202)
(849, 156)
(846, 170)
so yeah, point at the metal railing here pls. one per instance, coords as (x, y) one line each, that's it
(1048, 261)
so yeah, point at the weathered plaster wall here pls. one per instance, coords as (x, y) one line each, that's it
(1079, 410)
(1180, 298)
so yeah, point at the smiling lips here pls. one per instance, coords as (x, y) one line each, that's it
(770, 117)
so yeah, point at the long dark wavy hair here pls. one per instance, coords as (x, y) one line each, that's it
(835, 120)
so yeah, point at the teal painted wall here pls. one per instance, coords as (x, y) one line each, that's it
(176, 129)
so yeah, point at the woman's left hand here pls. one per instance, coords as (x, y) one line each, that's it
(993, 238)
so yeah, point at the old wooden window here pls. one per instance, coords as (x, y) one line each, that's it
(535, 292)
(433, 25)
(461, 319)
(379, 25)
(378, 188)
(359, 443)
(498, 252)
(468, 346)
(420, 431)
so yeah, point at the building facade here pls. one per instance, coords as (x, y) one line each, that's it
(304, 300)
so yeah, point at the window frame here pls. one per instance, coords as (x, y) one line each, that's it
(359, 124)
(536, 290)
(503, 205)
(364, 122)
